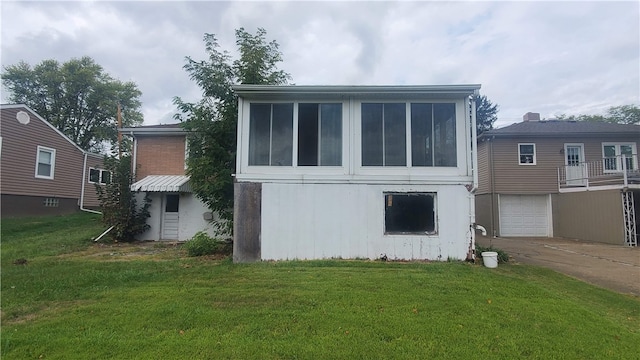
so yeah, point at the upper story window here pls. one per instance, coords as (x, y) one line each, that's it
(99, 176)
(432, 134)
(614, 153)
(271, 134)
(318, 136)
(527, 154)
(45, 162)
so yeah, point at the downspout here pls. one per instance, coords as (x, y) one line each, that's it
(471, 255)
(84, 176)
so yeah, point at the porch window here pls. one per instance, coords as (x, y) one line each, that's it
(527, 154)
(409, 213)
(431, 137)
(45, 162)
(271, 134)
(320, 134)
(614, 153)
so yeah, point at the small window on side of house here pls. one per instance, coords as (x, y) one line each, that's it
(410, 213)
(527, 154)
(99, 176)
(51, 202)
(45, 162)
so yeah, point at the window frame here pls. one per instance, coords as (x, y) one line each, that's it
(52, 151)
(101, 176)
(618, 156)
(434, 199)
(520, 154)
(244, 138)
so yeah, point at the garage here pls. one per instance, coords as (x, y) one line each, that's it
(524, 215)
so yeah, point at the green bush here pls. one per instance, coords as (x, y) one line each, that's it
(503, 257)
(202, 244)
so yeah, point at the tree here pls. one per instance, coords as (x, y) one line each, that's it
(118, 203)
(623, 114)
(77, 97)
(212, 121)
(486, 113)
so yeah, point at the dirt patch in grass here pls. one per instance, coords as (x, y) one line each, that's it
(147, 250)
(28, 314)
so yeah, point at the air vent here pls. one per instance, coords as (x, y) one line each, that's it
(23, 117)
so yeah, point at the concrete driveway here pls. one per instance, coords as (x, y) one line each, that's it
(609, 266)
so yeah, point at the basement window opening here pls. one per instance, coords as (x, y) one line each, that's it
(410, 213)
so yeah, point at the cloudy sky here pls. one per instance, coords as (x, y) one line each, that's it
(577, 57)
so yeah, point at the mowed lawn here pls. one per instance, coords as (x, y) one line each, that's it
(74, 299)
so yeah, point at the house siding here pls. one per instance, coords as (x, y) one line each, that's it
(90, 194)
(592, 216)
(19, 155)
(160, 155)
(512, 178)
(484, 169)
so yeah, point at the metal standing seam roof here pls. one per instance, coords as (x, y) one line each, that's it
(163, 183)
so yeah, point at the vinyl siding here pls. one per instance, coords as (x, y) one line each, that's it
(19, 152)
(160, 155)
(90, 194)
(484, 167)
(512, 178)
(591, 215)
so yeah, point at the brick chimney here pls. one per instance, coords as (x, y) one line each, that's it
(531, 116)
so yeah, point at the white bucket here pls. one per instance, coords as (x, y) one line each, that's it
(490, 259)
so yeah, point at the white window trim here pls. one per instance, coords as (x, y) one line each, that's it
(634, 151)
(534, 154)
(53, 162)
(100, 178)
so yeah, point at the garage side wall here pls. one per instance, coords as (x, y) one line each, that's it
(592, 216)
(315, 221)
(486, 212)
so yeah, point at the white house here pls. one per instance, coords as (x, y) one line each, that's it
(355, 172)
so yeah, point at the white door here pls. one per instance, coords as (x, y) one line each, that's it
(170, 219)
(574, 165)
(524, 215)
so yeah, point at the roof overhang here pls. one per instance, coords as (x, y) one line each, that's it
(275, 92)
(157, 131)
(163, 183)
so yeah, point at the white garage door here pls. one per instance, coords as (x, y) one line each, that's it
(524, 215)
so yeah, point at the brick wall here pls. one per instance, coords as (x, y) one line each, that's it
(160, 155)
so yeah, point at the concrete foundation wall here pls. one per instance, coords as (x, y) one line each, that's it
(247, 219)
(315, 221)
(24, 205)
(591, 215)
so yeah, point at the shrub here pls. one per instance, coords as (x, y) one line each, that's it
(203, 244)
(503, 257)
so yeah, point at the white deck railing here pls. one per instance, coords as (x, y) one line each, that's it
(619, 171)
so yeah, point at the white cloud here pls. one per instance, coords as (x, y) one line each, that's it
(548, 57)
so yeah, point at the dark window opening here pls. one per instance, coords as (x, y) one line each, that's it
(172, 203)
(409, 213)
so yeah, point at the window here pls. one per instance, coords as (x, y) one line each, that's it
(409, 213)
(172, 204)
(527, 154)
(432, 134)
(45, 162)
(614, 153)
(384, 134)
(51, 202)
(271, 134)
(320, 134)
(99, 176)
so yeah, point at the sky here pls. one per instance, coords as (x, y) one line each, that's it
(550, 57)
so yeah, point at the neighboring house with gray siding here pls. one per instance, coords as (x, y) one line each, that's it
(43, 171)
(159, 154)
(560, 178)
(354, 172)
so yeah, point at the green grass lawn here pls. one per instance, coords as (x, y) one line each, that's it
(77, 299)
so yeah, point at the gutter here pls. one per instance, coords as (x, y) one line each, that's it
(471, 255)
